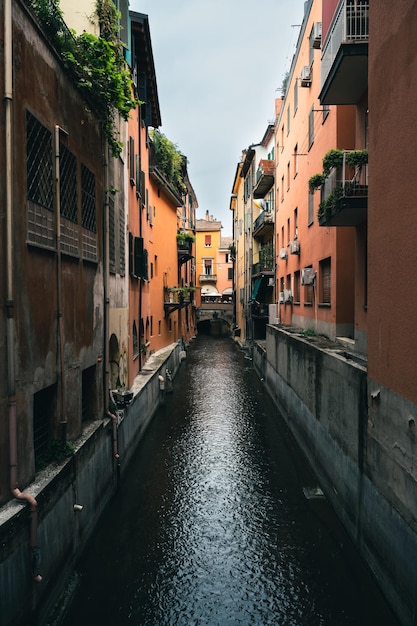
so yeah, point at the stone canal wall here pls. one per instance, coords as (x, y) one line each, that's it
(322, 396)
(87, 479)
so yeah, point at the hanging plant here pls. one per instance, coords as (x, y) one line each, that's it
(315, 182)
(357, 158)
(97, 63)
(330, 206)
(332, 159)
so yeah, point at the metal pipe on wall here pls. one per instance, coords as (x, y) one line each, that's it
(10, 321)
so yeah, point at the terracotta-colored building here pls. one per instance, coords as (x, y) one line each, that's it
(315, 266)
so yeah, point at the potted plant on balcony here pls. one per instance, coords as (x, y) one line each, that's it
(184, 239)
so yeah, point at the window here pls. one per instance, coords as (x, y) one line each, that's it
(132, 160)
(295, 223)
(310, 208)
(230, 273)
(88, 214)
(207, 241)
(208, 267)
(44, 415)
(297, 286)
(88, 199)
(288, 175)
(295, 162)
(325, 281)
(68, 184)
(39, 175)
(112, 244)
(288, 119)
(135, 340)
(310, 128)
(282, 138)
(39, 184)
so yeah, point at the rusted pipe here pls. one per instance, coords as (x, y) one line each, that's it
(10, 323)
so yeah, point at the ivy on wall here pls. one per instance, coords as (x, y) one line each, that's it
(97, 63)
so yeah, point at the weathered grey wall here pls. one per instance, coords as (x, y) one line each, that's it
(88, 478)
(323, 399)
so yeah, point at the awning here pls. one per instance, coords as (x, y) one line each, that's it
(255, 288)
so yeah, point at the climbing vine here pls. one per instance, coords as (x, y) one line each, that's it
(97, 63)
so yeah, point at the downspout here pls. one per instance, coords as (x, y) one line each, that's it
(10, 322)
(106, 266)
(59, 287)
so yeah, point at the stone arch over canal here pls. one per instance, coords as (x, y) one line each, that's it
(215, 318)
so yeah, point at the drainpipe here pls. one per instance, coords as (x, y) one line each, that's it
(10, 322)
(59, 286)
(106, 308)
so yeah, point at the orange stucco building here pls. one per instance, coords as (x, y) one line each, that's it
(315, 264)
(158, 267)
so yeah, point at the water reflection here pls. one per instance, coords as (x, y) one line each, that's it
(211, 526)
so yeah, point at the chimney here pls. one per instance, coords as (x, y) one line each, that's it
(207, 216)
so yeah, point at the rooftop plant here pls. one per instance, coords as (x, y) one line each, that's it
(169, 159)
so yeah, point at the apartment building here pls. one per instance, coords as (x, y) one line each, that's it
(315, 265)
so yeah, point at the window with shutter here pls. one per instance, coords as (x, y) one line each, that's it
(325, 281)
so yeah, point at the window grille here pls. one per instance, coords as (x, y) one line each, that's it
(39, 184)
(68, 201)
(122, 239)
(112, 251)
(88, 213)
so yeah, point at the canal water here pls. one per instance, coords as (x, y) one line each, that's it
(211, 525)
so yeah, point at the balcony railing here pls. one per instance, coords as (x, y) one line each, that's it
(266, 217)
(265, 176)
(350, 25)
(344, 64)
(264, 261)
(344, 197)
(208, 278)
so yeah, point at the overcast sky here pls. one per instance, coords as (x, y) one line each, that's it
(219, 67)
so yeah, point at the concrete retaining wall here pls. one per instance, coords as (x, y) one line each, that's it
(89, 478)
(323, 399)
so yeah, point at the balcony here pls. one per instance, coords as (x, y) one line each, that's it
(263, 226)
(344, 65)
(264, 262)
(344, 198)
(176, 298)
(208, 278)
(184, 249)
(264, 178)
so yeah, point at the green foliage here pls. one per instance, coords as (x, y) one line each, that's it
(329, 207)
(97, 63)
(56, 452)
(332, 159)
(184, 237)
(169, 160)
(357, 158)
(316, 181)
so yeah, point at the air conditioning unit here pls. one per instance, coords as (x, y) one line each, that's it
(294, 247)
(283, 254)
(308, 276)
(306, 76)
(287, 295)
(281, 296)
(316, 35)
(271, 282)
